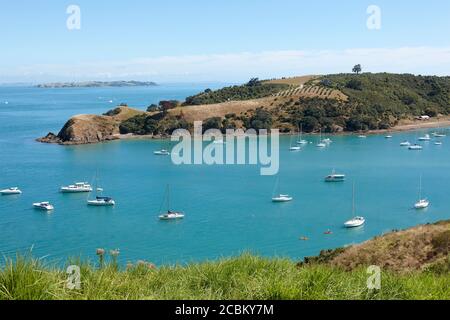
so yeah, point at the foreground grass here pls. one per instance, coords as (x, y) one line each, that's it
(244, 277)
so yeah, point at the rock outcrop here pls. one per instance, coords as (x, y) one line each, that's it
(85, 129)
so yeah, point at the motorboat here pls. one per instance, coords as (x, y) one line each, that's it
(355, 222)
(77, 188)
(162, 152)
(388, 136)
(415, 147)
(405, 144)
(43, 206)
(101, 201)
(438, 143)
(282, 198)
(295, 148)
(10, 191)
(425, 138)
(335, 177)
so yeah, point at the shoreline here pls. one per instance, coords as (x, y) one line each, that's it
(415, 125)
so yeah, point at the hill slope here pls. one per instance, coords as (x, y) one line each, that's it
(332, 103)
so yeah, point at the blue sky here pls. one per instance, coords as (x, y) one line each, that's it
(219, 40)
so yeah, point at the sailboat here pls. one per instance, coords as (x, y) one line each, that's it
(422, 203)
(438, 134)
(100, 200)
(362, 135)
(300, 134)
(321, 144)
(170, 215)
(293, 147)
(356, 221)
(280, 197)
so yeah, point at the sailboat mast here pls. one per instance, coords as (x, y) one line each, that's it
(353, 199)
(420, 187)
(168, 198)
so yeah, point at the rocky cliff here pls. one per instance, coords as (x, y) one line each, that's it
(85, 129)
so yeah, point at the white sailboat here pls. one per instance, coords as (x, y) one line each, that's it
(280, 197)
(321, 144)
(100, 200)
(293, 147)
(421, 203)
(357, 221)
(170, 215)
(300, 137)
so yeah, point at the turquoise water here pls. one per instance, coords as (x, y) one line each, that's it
(228, 208)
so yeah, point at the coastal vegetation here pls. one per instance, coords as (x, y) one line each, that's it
(331, 103)
(415, 264)
(253, 89)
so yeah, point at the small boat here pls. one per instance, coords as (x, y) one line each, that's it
(303, 238)
(421, 203)
(282, 198)
(388, 136)
(439, 135)
(43, 206)
(77, 187)
(300, 140)
(10, 191)
(415, 147)
(438, 143)
(405, 144)
(170, 215)
(162, 152)
(279, 197)
(327, 140)
(328, 232)
(321, 143)
(356, 221)
(425, 138)
(100, 201)
(293, 147)
(335, 177)
(362, 136)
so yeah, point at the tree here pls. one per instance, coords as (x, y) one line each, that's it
(357, 69)
(354, 84)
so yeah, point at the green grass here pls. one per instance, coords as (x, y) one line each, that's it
(244, 277)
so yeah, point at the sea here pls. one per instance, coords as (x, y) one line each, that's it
(228, 208)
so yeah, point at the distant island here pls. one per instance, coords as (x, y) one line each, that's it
(97, 84)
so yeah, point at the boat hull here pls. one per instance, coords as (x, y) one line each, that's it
(95, 203)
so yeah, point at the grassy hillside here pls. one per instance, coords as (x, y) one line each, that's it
(336, 274)
(244, 277)
(332, 103)
(254, 89)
